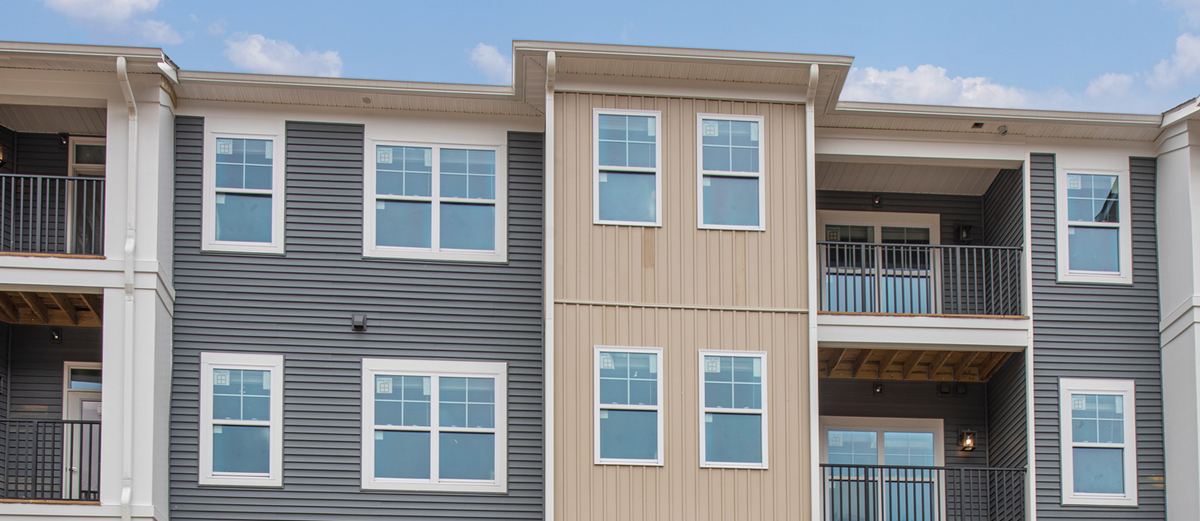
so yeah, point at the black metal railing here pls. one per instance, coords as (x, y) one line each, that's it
(895, 493)
(920, 279)
(51, 214)
(50, 460)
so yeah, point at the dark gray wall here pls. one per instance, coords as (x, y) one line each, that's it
(1004, 210)
(6, 140)
(954, 209)
(1007, 428)
(36, 154)
(40, 154)
(1096, 331)
(36, 366)
(845, 397)
(300, 304)
(4, 354)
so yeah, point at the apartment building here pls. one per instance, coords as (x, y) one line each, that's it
(639, 283)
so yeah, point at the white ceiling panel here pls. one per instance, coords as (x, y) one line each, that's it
(80, 121)
(920, 179)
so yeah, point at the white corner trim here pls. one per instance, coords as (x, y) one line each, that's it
(274, 130)
(1062, 225)
(256, 362)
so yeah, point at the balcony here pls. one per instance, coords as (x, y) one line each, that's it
(51, 215)
(49, 460)
(909, 493)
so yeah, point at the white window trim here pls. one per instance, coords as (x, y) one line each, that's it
(1062, 225)
(1124, 388)
(243, 129)
(597, 405)
(760, 175)
(657, 170)
(84, 170)
(441, 368)
(254, 362)
(857, 423)
(761, 355)
(66, 384)
(434, 252)
(933, 221)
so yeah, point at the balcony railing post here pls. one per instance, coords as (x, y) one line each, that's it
(878, 492)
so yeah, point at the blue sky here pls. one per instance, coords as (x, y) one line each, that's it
(1096, 55)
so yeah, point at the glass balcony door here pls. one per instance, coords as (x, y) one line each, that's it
(880, 276)
(881, 473)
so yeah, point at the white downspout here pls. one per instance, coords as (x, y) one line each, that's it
(810, 192)
(130, 241)
(548, 285)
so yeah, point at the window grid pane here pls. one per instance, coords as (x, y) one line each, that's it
(853, 447)
(627, 141)
(404, 171)
(730, 146)
(628, 378)
(628, 415)
(1093, 198)
(244, 163)
(733, 382)
(241, 395)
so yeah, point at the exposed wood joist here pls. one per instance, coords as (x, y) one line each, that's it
(988, 373)
(68, 308)
(964, 363)
(36, 306)
(938, 361)
(838, 355)
(911, 364)
(886, 361)
(8, 311)
(860, 362)
(95, 304)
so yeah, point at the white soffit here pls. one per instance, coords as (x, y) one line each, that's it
(79, 121)
(921, 179)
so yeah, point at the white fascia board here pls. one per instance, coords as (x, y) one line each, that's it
(938, 146)
(862, 108)
(916, 332)
(400, 125)
(698, 89)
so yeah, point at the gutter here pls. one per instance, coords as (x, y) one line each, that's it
(810, 191)
(548, 288)
(130, 243)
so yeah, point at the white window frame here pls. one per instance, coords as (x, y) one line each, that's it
(1123, 388)
(657, 170)
(435, 368)
(434, 252)
(244, 129)
(936, 426)
(1063, 225)
(597, 405)
(85, 169)
(705, 410)
(760, 175)
(255, 362)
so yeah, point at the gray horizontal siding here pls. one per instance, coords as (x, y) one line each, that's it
(1096, 331)
(36, 367)
(844, 397)
(300, 304)
(1007, 424)
(1004, 210)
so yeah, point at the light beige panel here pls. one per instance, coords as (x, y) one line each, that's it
(680, 489)
(679, 263)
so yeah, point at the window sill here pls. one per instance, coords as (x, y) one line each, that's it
(627, 223)
(732, 228)
(243, 247)
(1095, 278)
(490, 488)
(732, 466)
(417, 255)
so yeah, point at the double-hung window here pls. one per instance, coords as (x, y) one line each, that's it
(434, 425)
(731, 194)
(733, 429)
(243, 207)
(628, 184)
(629, 422)
(436, 202)
(1094, 232)
(1099, 450)
(241, 419)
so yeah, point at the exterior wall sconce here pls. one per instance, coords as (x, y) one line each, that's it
(967, 440)
(877, 201)
(877, 389)
(358, 322)
(55, 335)
(963, 233)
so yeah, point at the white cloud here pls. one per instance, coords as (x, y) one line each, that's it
(495, 66)
(118, 16)
(1191, 8)
(218, 27)
(1110, 85)
(257, 53)
(931, 85)
(1182, 66)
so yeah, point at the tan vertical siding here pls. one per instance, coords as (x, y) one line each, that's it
(681, 289)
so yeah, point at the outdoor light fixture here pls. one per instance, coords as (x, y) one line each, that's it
(977, 124)
(358, 322)
(966, 440)
(63, 136)
(877, 201)
(877, 389)
(963, 233)
(55, 335)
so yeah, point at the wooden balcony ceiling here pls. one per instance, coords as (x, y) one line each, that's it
(54, 309)
(886, 364)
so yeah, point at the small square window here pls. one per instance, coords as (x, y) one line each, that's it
(730, 154)
(241, 429)
(434, 425)
(628, 181)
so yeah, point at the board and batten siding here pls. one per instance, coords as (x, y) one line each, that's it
(299, 305)
(1096, 331)
(681, 289)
